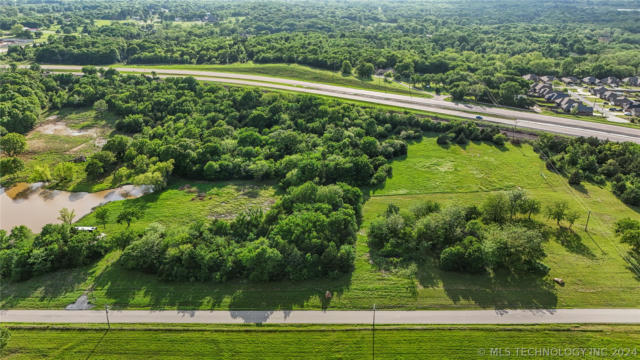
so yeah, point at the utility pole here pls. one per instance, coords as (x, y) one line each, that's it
(587, 224)
(373, 334)
(106, 311)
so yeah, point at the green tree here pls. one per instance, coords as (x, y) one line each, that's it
(100, 106)
(365, 70)
(496, 208)
(13, 144)
(66, 216)
(40, 173)
(575, 178)
(508, 93)
(558, 211)
(632, 237)
(17, 30)
(516, 199)
(572, 216)
(346, 68)
(530, 207)
(10, 165)
(128, 215)
(63, 172)
(102, 215)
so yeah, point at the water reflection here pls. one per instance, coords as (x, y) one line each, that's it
(34, 206)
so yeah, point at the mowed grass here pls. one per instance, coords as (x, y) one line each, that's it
(296, 72)
(314, 342)
(591, 263)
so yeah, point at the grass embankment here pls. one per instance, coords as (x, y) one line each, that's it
(313, 341)
(591, 263)
(63, 135)
(293, 72)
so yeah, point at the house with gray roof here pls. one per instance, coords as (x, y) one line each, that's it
(634, 109)
(530, 77)
(589, 80)
(554, 96)
(570, 80)
(540, 89)
(623, 102)
(583, 109)
(598, 91)
(632, 81)
(609, 96)
(547, 78)
(611, 80)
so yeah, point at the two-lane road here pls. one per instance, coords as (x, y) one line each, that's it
(533, 316)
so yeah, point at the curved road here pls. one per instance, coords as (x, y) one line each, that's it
(515, 118)
(533, 316)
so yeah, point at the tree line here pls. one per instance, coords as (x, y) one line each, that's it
(443, 47)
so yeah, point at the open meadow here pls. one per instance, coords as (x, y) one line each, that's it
(311, 341)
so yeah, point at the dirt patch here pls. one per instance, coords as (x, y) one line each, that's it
(60, 128)
(76, 149)
(82, 303)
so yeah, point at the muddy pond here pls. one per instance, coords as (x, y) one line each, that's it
(34, 206)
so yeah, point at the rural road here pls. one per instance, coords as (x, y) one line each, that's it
(536, 316)
(514, 118)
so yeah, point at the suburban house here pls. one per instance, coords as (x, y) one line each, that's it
(530, 77)
(623, 102)
(611, 80)
(589, 80)
(540, 89)
(632, 81)
(570, 80)
(584, 109)
(634, 109)
(569, 105)
(610, 96)
(554, 96)
(598, 91)
(547, 78)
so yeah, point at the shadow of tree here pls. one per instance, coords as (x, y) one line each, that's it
(501, 290)
(46, 288)
(124, 288)
(571, 241)
(633, 264)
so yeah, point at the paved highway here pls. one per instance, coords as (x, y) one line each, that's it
(509, 117)
(537, 316)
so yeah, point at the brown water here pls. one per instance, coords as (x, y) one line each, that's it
(34, 206)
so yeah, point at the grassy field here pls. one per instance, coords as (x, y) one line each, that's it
(313, 342)
(590, 262)
(63, 135)
(175, 206)
(297, 72)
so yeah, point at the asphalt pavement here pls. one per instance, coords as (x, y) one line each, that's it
(533, 316)
(509, 117)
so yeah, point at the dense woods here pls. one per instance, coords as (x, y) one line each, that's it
(500, 234)
(309, 233)
(432, 45)
(596, 161)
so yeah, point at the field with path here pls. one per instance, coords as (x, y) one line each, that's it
(63, 135)
(591, 263)
(314, 342)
